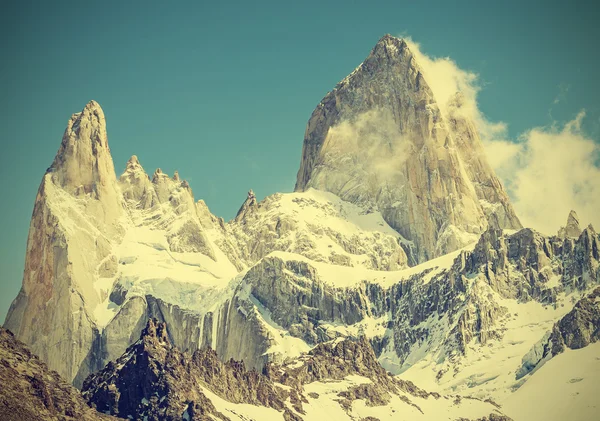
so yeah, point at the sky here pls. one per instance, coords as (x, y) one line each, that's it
(222, 92)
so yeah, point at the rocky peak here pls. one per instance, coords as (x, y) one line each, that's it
(249, 204)
(76, 221)
(136, 186)
(134, 172)
(156, 381)
(588, 246)
(156, 332)
(380, 140)
(184, 230)
(573, 219)
(389, 47)
(133, 164)
(158, 174)
(83, 164)
(572, 229)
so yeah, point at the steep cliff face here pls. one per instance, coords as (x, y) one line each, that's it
(76, 220)
(443, 320)
(379, 139)
(572, 228)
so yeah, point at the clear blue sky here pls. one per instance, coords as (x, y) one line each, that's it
(221, 91)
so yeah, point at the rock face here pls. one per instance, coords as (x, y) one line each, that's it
(442, 315)
(153, 380)
(75, 221)
(380, 139)
(572, 228)
(32, 392)
(83, 165)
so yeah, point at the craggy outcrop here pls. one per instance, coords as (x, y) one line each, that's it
(30, 391)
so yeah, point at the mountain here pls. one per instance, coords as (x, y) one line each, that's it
(380, 139)
(30, 391)
(431, 268)
(153, 380)
(158, 253)
(76, 218)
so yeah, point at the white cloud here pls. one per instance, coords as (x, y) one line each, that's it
(372, 139)
(547, 171)
(445, 79)
(553, 172)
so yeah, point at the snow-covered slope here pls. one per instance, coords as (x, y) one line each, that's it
(319, 226)
(564, 389)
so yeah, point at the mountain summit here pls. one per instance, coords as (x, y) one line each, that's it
(379, 139)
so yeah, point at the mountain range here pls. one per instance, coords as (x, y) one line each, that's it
(395, 282)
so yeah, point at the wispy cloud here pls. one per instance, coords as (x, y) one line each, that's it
(547, 170)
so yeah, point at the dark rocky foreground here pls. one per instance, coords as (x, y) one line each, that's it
(30, 391)
(153, 380)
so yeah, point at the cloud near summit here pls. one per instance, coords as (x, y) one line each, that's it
(547, 171)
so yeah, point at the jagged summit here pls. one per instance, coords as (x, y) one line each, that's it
(390, 45)
(387, 180)
(93, 105)
(380, 140)
(389, 37)
(247, 206)
(133, 162)
(156, 332)
(572, 229)
(572, 218)
(83, 164)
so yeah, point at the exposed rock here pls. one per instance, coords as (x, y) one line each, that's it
(248, 205)
(572, 229)
(83, 165)
(30, 391)
(299, 301)
(297, 271)
(136, 186)
(380, 139)
(75, 222)
(153, 380)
